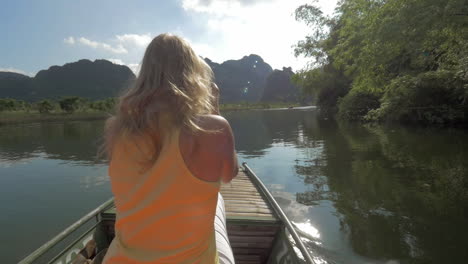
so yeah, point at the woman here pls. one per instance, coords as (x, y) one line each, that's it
(169, 150)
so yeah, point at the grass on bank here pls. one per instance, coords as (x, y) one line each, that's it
(14, 117)
(34, 116)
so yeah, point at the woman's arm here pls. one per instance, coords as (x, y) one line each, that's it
(215, 93)
(230, 166)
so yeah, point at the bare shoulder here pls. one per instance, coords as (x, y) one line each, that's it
(212, 122)
(216, 130)
(110, 122)
(209, 153)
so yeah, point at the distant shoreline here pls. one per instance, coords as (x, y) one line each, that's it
(32, 117)
(19, 117)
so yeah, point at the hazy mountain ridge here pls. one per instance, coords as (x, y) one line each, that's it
(94, 80)
(239, 80)
(13, 76)
(279, 87)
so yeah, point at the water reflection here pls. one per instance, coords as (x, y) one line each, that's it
(48, 175)
(70, 141)
(375, 194)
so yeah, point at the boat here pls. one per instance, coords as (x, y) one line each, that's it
(258, 229)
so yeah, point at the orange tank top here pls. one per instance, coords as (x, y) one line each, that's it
(164, 214)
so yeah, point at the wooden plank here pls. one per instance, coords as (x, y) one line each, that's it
(242, 194)
(248, 203)
(249, 245)
(251, 223)
(244, 202)
(249, 227)
(252, 233)
(251, 239)
(251, 215)
(236, 199)
(248, 210)
(249, 257)
(249, 251)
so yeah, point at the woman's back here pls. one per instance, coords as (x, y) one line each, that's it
(165, 214)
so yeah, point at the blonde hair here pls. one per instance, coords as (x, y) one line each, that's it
(172, 88)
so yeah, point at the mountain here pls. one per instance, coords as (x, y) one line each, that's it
(94, 80)
(12, 76)
(249, 79)
(279, 88)
(241, 80)
(15, 85)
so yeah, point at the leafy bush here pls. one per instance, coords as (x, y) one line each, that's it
(45, 106)
(326, 84)
(71, 104)
(414, 53)
(434, 97)
(105, 105)
(8, 104)
(356, 104)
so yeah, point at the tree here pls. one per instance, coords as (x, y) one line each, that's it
(70, 104)
(387, 49)
(45, 106)
(8, 104)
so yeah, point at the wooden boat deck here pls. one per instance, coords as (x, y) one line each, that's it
(244, 202)
(251, 223)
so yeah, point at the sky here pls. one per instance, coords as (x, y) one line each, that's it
(38, 34)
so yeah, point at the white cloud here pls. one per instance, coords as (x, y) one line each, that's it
(9, 69)
(219, 7)
(118, 49)
(135, 67)
(235, 28)
(120, 44)
(135, 39)
(130, 45)
(69, 40)
(116, 61)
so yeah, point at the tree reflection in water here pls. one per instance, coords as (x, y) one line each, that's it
(76, 141)
(399, 193)
(402, 192)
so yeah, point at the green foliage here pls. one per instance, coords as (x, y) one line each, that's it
(105, 105)
(71, 104)
(356, 104)
(45, 106)
(434, 97)
(8, 104)
(325, 84)
(68, 108)
(391, 49)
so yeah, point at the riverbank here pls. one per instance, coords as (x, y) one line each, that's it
(258, 106)
(29, 117)
(17, 117)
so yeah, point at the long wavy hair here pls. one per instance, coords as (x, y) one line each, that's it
(173, 87)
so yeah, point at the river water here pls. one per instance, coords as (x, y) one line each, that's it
(359, 194)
